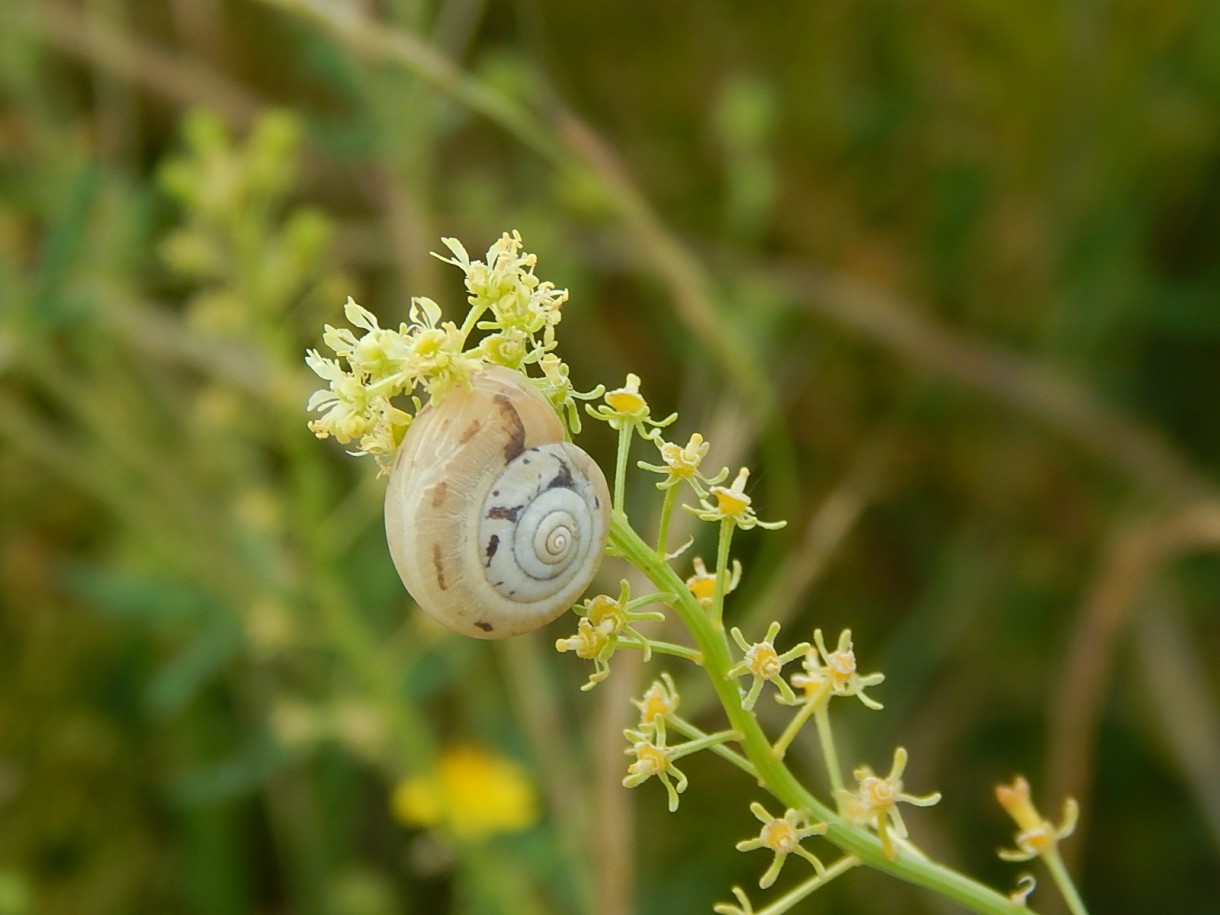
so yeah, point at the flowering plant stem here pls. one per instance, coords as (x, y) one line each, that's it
(707, 630)
(667, 508)
(688, 730)
(827, 738)
(722, 576)
(620, 467)
(678, 651)
(799, 892)
(1063, 880)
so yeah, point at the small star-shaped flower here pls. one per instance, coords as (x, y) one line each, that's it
(835, 672)
(732, 504)
(658, 702)
(875, 801)
(626, 408)
(681, 464)
(653, 757)
(782, 835)
(764, 664)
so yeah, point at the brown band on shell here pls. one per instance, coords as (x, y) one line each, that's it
(438, 493)
(514, 427)
(438, 564)
(471, 431)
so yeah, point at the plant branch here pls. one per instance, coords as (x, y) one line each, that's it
(773, 775)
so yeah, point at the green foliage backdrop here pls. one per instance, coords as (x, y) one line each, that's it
(946, 275)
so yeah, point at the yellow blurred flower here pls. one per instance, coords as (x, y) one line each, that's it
(471, 795)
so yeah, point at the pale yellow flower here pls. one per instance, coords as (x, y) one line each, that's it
(834, 672)
(782, 836)
(1038, 836)
(658, 702)
(702, 585)
(875, 801)
(681, 464)
(603, 621)
(654, 758)
(733, 504)
(626, 408)
(762, 662)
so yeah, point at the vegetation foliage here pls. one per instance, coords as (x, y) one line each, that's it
(944, 278)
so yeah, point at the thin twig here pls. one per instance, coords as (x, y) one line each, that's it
(167, 73)
(1044, 393)
(1137, 553)
(1177, 687)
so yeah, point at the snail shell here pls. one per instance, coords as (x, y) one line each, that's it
(496, 525)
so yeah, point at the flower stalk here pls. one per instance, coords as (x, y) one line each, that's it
(518, 314)
(773, 774)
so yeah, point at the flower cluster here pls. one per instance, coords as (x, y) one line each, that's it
(604, 621)
(825, 674)
(376, 368)
(356, 406)
(653, 757)
(376, 373)
(524, 309)
(649, 741)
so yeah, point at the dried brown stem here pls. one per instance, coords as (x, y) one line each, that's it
(1136, 554)
(164, 72)
(1038, 390)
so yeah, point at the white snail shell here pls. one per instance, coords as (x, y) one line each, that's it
(495, 524)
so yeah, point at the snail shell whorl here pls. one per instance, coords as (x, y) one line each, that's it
(495, 524)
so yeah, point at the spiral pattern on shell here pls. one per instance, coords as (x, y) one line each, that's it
(496, 525)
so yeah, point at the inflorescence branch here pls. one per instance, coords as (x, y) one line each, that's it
(374, 383)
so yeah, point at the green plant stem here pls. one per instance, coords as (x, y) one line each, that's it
(826, 738)
(472, 318)
(686, 729)
(773, 775)
(703, 742)
(1063, 880)
(667, 507)
(780, 747)
(722, 572)
(670, 648)
(625, 432)
(785, 902)
(661, 597)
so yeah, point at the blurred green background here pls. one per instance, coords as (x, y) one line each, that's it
(947, 276)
